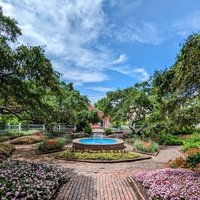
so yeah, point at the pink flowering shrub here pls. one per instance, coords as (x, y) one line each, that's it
(29, 181)
(171, 184)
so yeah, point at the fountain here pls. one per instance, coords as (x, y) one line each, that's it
(98, 142)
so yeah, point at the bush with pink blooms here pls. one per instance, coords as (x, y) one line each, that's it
(173, 184)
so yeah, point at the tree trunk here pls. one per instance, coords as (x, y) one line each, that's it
(48, 127)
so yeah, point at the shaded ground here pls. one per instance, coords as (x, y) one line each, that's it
(96, 181)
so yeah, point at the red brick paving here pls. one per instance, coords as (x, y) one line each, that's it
(98, 187)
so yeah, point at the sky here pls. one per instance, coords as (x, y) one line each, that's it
(105, 45)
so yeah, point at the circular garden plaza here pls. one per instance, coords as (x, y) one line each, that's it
(149, 147)
(100, 165)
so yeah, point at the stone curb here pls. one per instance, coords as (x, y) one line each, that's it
(106, 161)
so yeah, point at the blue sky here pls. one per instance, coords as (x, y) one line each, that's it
(104, 45)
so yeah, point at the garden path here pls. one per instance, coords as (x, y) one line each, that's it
(96, 181)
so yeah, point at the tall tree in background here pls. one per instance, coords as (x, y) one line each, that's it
(130, 105)
(170, 101)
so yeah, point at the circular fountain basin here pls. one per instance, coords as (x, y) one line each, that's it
(97, 144)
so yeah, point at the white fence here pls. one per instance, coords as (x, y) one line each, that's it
(25, 127)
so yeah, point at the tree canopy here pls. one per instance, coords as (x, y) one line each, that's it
(30, 88)
(169, 101)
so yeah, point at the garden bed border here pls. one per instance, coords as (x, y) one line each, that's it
(105, 161)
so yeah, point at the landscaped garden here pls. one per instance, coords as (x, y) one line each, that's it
(160, 114)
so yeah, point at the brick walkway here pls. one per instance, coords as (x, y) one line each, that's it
(100, 187)
(100, 182)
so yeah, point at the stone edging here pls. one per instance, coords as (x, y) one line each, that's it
(150, 154)
(106, 161)
(48, 152)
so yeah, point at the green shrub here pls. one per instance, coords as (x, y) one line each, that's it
(88, 130)
(107, 131)
(96, 155)
(17, 133)
(147, 147)
(79, 135)
(169, 139)
(191, 142)
(51, 145)
(54, 134)
(66, 140)
(193, 159)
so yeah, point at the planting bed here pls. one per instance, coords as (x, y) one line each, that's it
(23, 180)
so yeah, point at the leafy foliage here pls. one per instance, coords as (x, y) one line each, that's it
(193, 159)
(146, 147)
(30, 88)
(88, 130)
(51, 145)
(169, 139)
(108, 131)
(191, 142)
(168, 102)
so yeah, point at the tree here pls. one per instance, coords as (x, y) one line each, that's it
(130, 105)
(8, 28)
(26, 75)
(168, 102)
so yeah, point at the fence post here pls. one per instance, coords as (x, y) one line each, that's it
(59, 127)
(9, 127)
(20, 126)
(43, 127)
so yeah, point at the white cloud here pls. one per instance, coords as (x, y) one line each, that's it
(139, 73)
(70, 30)
(132, 31)
(125, 7)
(188, 25)
(122, 58)
(101, 89)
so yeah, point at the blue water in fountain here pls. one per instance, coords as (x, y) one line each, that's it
(98, 141)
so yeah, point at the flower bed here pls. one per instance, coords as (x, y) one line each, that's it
(173, 184)
(74, 155)
(23, 180)
(6, 149)
(51, 145)
(146, 147)
(26, 140)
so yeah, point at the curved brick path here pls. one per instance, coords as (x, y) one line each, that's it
(96, 181)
